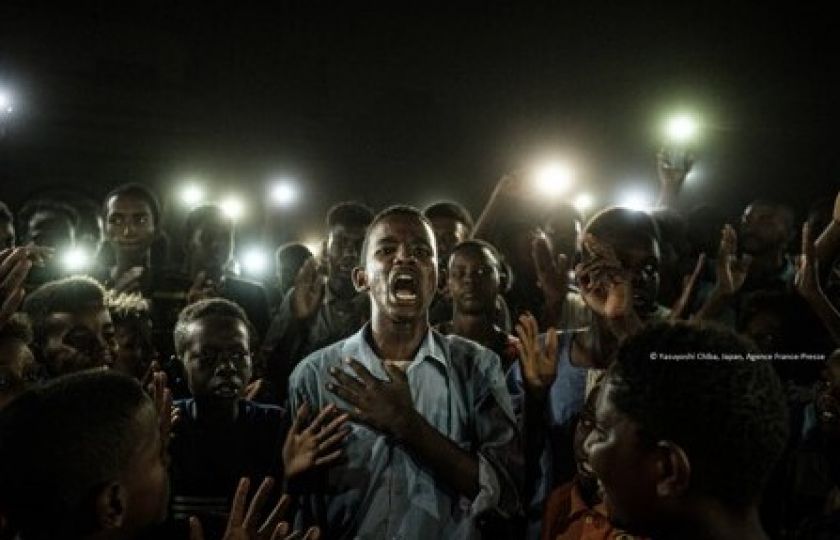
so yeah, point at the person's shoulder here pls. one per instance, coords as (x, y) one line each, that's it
(318, 360)
(465, 354)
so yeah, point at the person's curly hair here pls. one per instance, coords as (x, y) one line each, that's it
(729, 416)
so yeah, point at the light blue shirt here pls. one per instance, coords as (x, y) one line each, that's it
(384, 492)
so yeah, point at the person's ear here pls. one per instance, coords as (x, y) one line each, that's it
(673, 470)
(110, 506)
(360, 280)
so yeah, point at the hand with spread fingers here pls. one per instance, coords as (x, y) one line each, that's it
(386, 406)
(247, 524)
(310, 286)
(672, 175)
(15, 264)
(731, 269)
(604, 282)
(539, 363)
(316, 445)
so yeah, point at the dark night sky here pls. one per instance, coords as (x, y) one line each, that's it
(407, 106)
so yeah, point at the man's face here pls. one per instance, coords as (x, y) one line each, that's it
(449, 232)
(51, 229)
(129, 224)
(7, 235)
(623, 463)
(343, 250)
(473, 281)
(18, 370)
(400, 268)
(763, 229)
(145, 479)
(78, 341)
(217, 357)
(211, 245)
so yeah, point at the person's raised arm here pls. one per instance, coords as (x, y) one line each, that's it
(827, 246)
(808, 286)
(671, 179)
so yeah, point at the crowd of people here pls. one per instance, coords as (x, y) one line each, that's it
(525, 374)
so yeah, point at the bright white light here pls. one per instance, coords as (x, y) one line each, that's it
(637, 199)
(554, 179)
(682, 128)
(255, 261)
(5, 101)
(583, 202)
(284, 193)
(233, 207)
(314, 245)
(192, 195)
(76, 259)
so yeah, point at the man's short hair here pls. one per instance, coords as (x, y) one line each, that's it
(66, 295)
(292, 253)
(396, 210)
(139, 191)
(729, 416)
(61, 442)
(32, 207)
(623, 226)
(219, 307)
(478, 244)
(349, 214)
(451, 210)
(17, 327)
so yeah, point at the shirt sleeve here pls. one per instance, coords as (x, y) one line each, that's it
(500, 459)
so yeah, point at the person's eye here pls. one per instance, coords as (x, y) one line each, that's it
(422, 251)
(385, 250)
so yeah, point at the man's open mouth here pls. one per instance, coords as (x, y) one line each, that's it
(404, 287)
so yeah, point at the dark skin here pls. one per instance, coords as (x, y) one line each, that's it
(130, 228)
(449, 232)
(79, 340)
(473, 282)
(646, 484)
(764, 235)
(218, 363)
(210, 248)
(401, 245)
(343, 249)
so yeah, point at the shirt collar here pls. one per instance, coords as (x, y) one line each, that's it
(357, 346)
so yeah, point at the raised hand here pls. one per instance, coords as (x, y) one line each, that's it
(386, 406)
(247, 525)
(731, 270)
(310, 285)
(689, 282)
(672, 174)
(166, 413)
(552, 273)
(202, 288)
(604, 283)
(15, 264)
(539, 364)
(316, 445)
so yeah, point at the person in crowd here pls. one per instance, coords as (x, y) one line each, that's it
(754, 258)
(7, 227)
(684, 449)
(133, 334)
(208, 249)
(72, 327)
(827, 253)
(18, 369)
(434, 445)
(288, 260)
(219, 436)
(452, 224)
(323, 306)
(49, 224)
(575, 511)
(473, 281)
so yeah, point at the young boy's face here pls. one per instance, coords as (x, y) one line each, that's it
(217, 357)
(473, 280)
(145, 478)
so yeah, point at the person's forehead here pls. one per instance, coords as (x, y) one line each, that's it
(217, 329)
(402, 227)
(446, 223)
(128, 204)
(473, 255)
